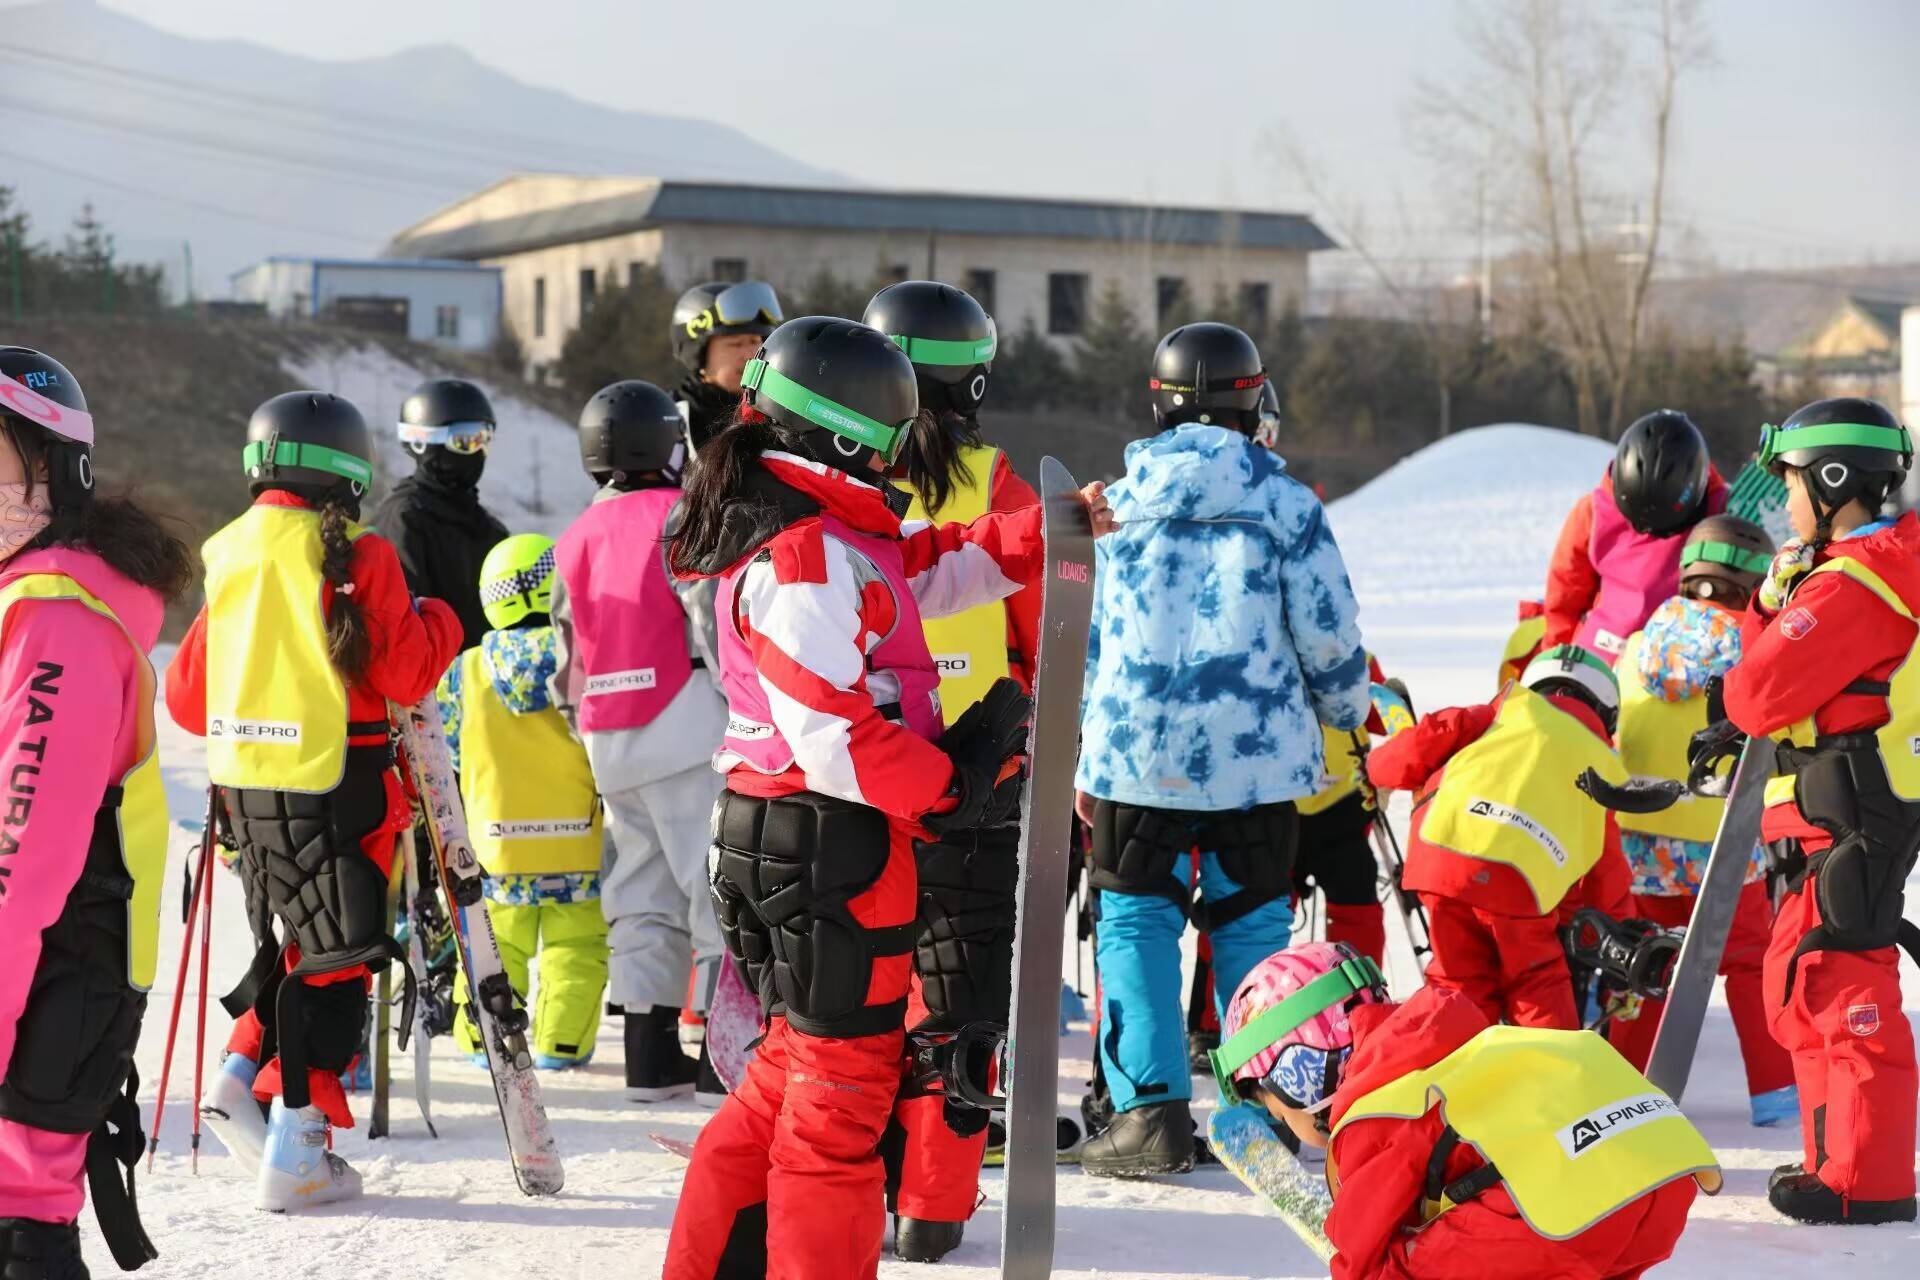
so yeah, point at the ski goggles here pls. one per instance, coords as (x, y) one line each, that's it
(16, 397)
(1334, 987)
(746, 302)
(761, 380)
(466, 438)
(1777, 442)
(1723, 553)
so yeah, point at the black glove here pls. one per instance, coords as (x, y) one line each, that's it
(1637, 795)
(1716, 700)
(1707, 750)
(987, 735)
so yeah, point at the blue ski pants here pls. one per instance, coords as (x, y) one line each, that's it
(1143, 1024)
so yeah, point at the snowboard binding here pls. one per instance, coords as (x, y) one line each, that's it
(968, 1066)
(1632, 957)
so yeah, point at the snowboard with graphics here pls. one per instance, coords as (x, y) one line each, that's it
(733, 1024)
(1046, 835)
(1243, 1139)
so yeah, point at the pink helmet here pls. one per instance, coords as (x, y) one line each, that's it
(1286, 1027)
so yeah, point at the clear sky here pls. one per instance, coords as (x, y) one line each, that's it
(1800, 146)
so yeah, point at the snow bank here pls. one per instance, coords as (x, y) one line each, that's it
(1444, 544)
(533, 480)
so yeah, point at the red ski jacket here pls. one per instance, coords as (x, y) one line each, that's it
(1381, 1165)
(1412, 759)
(1833, 632)
(1573, 584)
(410, 648)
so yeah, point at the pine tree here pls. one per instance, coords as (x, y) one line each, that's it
(1029, 371)
(625, 335)
(1114, 358)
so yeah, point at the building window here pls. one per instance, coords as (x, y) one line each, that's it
(1066, 302)
(446, 323)
(1169, 294)
(589, 281)
(1255, 311)
(895, 273)
(980, 285)
(636, 274)
(539, 306)
(729, 269)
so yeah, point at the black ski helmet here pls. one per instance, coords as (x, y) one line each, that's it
(1660, 473)
(629, 427)
(310, 442)
(947, 334)
(439, 406)
(1845, 448)
(1207, 372)
(1725, 556)
(717, 309)
(37, 389)
(841, 392)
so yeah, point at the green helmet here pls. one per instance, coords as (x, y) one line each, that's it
(1567, 668)
(516, 579)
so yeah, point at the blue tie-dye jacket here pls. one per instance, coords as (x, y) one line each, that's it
(1223, 631)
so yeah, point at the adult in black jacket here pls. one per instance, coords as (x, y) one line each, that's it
(434, 518)
(716, 328)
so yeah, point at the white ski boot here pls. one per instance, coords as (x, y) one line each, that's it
(229, 1109)
(296, 1169)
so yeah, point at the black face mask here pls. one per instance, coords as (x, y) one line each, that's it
(449, 469)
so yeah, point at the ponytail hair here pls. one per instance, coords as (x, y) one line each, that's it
(720, 471)
(348, 644)
(132, 540)
(932, 455)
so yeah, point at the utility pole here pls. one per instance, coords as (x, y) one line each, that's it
(1486, 264)
(186, 252)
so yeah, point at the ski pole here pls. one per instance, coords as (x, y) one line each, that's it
(200, 1022)
(180, 984)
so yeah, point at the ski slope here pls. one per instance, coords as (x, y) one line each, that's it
(1439, 548)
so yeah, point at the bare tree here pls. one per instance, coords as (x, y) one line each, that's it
(1563, 99)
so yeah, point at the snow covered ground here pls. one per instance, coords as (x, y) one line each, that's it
(1440, 548)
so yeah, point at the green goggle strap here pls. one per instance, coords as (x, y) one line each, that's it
(1775, 441)
(1725, 553)
(763, 379)
(291, 453)
(1333, 987)
(942, 352)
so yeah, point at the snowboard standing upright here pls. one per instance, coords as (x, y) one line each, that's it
(498, 1013)
(1678, 1035)
(1046, 831)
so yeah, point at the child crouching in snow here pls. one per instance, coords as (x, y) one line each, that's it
(1454, 1147)
(1503, 833)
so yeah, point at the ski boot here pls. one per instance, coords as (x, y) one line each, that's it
(236, 1117)
(918, 1240)
(1775, 1107)
(1802, 1196)
(1143, 1142)
(296, 1169)
(656, 1068)
(40, 1250)
(709, 1090)
(1200, 1045)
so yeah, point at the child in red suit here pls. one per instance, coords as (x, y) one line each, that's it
(1503, 836)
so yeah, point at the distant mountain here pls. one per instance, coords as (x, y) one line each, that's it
(243, 151)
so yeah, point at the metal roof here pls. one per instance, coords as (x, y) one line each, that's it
(919, 213)
(369, 264)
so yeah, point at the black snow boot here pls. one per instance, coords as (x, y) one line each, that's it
(40, 1250)
(656, 1069)
(1781, 1172)
(708, 1089)
(917, 1240)
(1199, 1045)
(1143, 1142)
(1804, 1197)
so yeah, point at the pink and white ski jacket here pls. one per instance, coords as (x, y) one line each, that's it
(809, 619)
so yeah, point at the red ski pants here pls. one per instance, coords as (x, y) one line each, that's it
(1768, 1065)
(1513, 967)
(801, 1135)
(939, 1169)
(1852, 1050)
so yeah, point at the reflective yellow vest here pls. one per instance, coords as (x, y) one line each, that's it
(969, 648)
(142, 813)
(1573, 1130)
(1899, 738)
(276, 707)
(524, 779)
(1510, 797)
(1525, 638)
(1653, 736)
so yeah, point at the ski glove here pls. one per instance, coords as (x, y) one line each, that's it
(1791, 563)
(985, 745)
